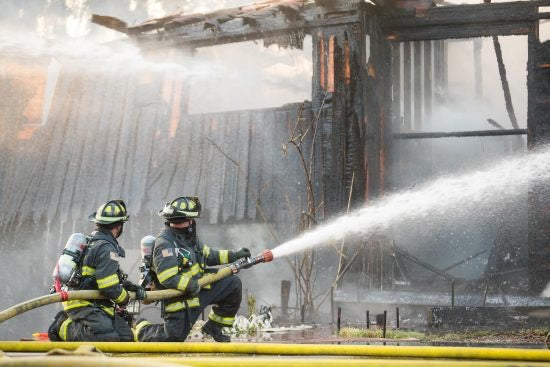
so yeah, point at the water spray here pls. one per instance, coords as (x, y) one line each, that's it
(456, 195)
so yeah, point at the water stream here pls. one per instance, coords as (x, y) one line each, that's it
(452, 196)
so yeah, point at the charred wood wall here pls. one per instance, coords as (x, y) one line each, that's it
(538, 127)
(338, 80)
(378, 101)
(131, 138)
(353, 95)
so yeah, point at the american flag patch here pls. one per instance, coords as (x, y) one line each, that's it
(114, 256)
(167, 252)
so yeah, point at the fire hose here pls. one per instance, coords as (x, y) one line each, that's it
(265, 256)
(469, 354)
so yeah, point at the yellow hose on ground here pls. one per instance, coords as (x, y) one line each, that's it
(61, 361)
(535, 355)
(152, 295)
(333, 362)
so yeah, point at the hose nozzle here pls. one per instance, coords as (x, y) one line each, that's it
(265, 257)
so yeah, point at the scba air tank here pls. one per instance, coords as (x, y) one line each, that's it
(66, 268)
(147, 244)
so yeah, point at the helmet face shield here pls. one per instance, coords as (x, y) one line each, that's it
(110, 212)
(184, 207)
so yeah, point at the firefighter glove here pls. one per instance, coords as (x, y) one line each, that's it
(242, 252)
(139, 290)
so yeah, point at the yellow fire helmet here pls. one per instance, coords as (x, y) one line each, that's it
(183, 207)
(110, 212)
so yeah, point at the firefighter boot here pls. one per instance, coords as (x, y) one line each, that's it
(215, 331)
(53, 330)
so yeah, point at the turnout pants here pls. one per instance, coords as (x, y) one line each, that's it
(225, 295)
(94, 324)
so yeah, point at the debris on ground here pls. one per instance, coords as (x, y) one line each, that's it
(243, 327)
(350, 332)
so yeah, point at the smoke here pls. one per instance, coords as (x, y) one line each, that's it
(89, 56)
(252, 76)
(546, 291)
(487, 191)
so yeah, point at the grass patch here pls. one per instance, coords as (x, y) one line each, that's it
(536, 335)
(350, 332)
(492, 335)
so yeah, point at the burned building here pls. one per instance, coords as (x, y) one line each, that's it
(378, 71)
(363, 110)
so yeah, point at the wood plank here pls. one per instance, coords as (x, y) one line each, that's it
(204, 127)
(417, 76)
(255, 164)
(396, 85)
(216, 170)
(428, 67)
(266, 25)
(244, 141)
(230, 143)
(407, 91)
(463, 21)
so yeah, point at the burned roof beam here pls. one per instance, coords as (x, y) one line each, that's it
(459, 134)
(110, 22)
(246, 24)
(237, 35)
(465, 21)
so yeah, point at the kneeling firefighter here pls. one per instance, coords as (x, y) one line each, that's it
(99, 320)
(179, 260)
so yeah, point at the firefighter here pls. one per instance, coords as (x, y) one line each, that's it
(100, 320)
(179, 260)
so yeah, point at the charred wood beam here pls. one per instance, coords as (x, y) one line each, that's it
(459, 21)
(505, 85)
(465, 21)
(227, 34)
(110, 22)
(459, 134)
(213, 29)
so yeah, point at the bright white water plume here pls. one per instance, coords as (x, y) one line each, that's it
(473, 192)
